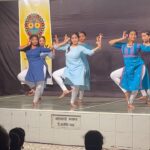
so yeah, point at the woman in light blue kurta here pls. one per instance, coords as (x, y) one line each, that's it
(134, 70)
(74, 72)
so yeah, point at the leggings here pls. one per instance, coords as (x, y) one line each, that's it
(58, 76)
(39, 86)
(134, 93)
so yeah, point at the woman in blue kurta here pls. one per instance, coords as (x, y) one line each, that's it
(74, 72)
(82, 42)
(134, 69)
(36, 73)
(58, 74)
(145, 54)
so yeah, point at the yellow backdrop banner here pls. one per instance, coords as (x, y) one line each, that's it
(34, 18)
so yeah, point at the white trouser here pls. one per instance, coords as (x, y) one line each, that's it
(81, 94)
(39, 85)
(134, 93)
(38, 90)
(74, 94)
(21, 77)
(58, 76)
(116, 77)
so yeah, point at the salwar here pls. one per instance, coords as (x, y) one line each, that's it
(39, 86)
(38, 90)
(116, 77)
(58, 76)
(74, 94)
(21, 77)
(134, 93)
(81, 95)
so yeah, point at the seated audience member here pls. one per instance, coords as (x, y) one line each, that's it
(4, 139)
(17, 136)
(93, 140)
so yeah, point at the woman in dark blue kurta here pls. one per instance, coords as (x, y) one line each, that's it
(134, 69)
(37, 71)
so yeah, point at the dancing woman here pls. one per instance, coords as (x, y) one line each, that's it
(58, 74)
(21, 76)
(117, 74)
(134, 68)
(82, 42)
(74, 72)
(145, 54)
(36, 72)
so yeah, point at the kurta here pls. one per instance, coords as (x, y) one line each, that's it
(75, 70)
(86, 65)
(36, 63)
(145, 54)
(132, 74)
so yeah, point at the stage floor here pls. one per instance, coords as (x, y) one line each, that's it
(91, 104)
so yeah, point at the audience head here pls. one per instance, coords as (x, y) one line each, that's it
(93, 140)
(4, 139)
(17, 136)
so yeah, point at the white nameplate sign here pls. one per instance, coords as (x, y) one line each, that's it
(66, 121)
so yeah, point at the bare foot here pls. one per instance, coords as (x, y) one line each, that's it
(34, 104)
(143, 98)
(148, 102)
(130, 106)
(80, 102)
(40, 100)
(127, 94)
(66, 92)
(31, 92)
(73, 106)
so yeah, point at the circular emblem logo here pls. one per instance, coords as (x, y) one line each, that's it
(34, 24)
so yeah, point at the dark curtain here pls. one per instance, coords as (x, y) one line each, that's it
(9, 41)
(111, 17)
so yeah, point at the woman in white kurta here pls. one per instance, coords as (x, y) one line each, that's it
(74, 72)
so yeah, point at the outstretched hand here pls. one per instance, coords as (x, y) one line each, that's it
(124, 35)
(56, 38)
(66, 38)
(99, 40)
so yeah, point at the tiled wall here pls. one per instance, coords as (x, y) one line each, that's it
(124, 131)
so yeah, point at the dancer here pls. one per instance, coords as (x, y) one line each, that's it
(42, 42)
(37, 71)
(21, 76)
(74, 72)
(134, 69)
(145, 54)
(82, 41)
(116, 77)
(58, 74)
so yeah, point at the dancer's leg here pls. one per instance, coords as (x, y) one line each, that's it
(81, 95)
(38, 91)
(134, 93)
(58, 76)
(21, 77)
(74, 94)
(116, 77)
(131, 99)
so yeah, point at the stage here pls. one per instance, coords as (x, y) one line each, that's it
(54, 122)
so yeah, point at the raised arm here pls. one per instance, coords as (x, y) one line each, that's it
(62, 46)
(98, 47)
(118, 40)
